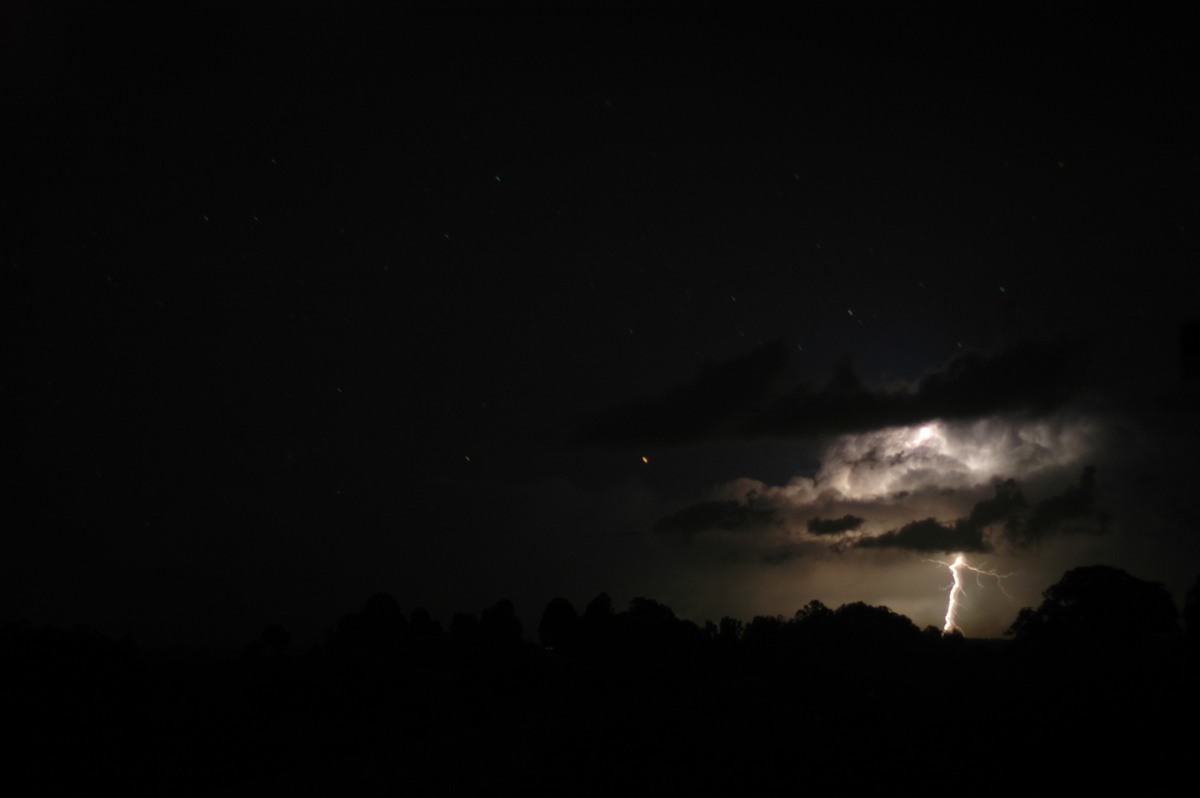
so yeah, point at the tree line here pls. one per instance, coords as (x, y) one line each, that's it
(606, 698)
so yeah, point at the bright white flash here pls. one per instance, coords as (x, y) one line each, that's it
(951, 455)
(897, 461)
(956, 589)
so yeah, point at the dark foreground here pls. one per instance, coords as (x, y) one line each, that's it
(661, 707)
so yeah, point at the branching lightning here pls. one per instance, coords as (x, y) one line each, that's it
(956, 589)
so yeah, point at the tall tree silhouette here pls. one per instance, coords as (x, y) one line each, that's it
(1191, 616)
(499, 626)
(379, 629)
(559, 624)
(1099, 604)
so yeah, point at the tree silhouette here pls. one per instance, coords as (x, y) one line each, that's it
(1191, 615)
(730, 631)
(812, 624)
(597, 626)
(764, 633)
(813, 612)
(861, 624)
(422, 625)
(599, 609)
(1099, 604)
(379, 628)
(273, 641)
(276, 638)
(559, 624)
(499, 626)
(464, 629)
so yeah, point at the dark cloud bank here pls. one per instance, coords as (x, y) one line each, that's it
(728, 515)
(755, 397)
(834, 526)
(1021, 525)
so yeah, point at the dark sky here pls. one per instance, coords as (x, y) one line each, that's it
(305, 302)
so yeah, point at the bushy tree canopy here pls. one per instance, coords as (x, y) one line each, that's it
(1097, 604)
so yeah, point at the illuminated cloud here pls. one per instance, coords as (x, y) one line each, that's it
(950, 455)
(936, 487)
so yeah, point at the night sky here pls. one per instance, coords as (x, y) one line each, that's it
(727, 308)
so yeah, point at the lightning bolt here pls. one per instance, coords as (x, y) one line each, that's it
(957, 567)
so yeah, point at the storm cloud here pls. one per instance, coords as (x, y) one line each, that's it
(1073, 510)
(719, 515)
(756, 397)
(834, 526)
(1070, 512)
(929, 535)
